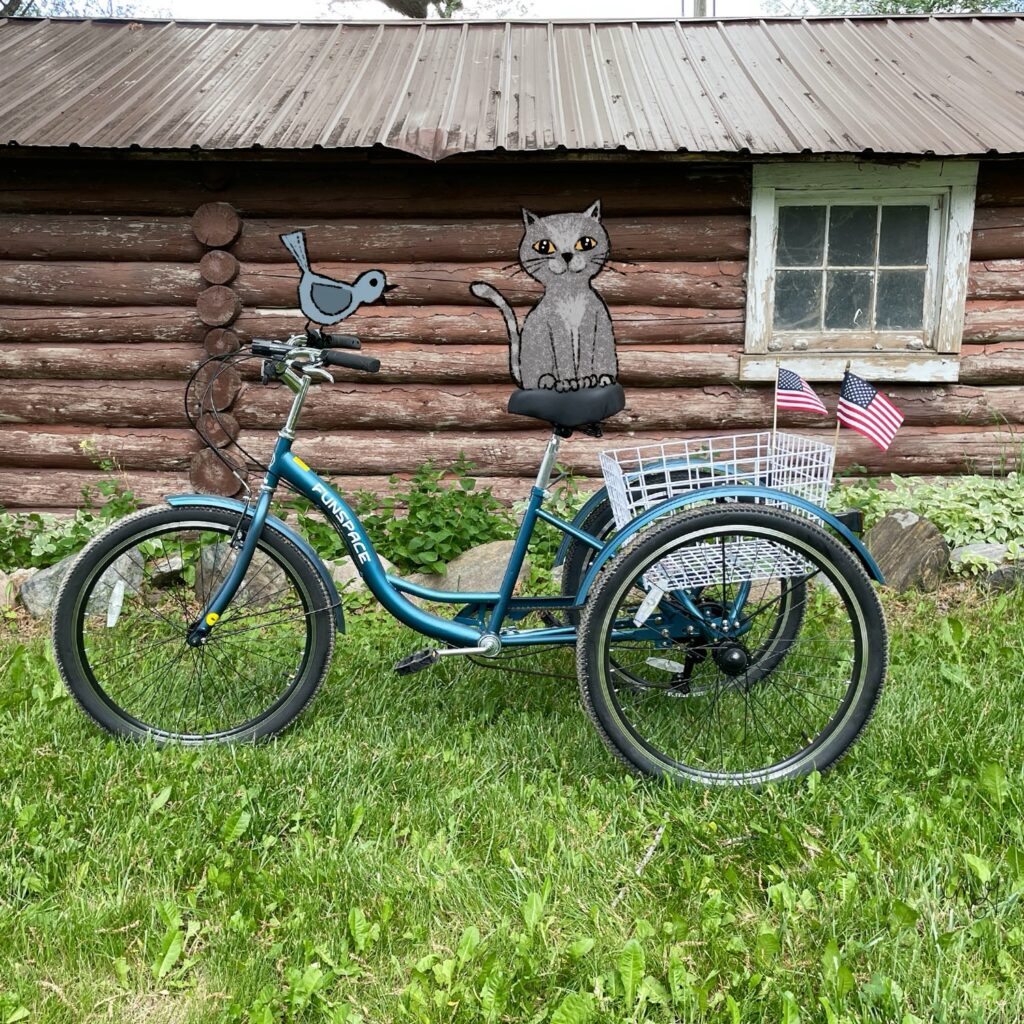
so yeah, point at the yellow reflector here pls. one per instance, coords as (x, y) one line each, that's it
(212, 618)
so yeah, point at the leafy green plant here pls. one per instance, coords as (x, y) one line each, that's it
(967, 509)
(421, 523)
(35, 541)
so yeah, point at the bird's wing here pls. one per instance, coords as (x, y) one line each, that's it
(331, 299)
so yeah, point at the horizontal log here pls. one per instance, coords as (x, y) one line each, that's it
(120, 403)
(688, 237)
(992, 364)
(996, 279)
(80, 446)
(34, 488)
(401, 363)
(711, 408)
(57, 491)
(483, 324)
(998, 233)
(712, 285)
(87, 237)
(917, 450)
(993, 320)
(40, 282)
(100, 323)
(101, 362)
(1001, 183)
(356, 186)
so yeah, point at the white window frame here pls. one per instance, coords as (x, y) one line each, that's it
(932, 354)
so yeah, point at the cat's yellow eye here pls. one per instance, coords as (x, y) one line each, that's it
(586, 243)
(544, 247)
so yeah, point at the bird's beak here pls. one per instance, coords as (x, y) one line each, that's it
(384, 294)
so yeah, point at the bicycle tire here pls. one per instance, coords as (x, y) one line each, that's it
(853, 594)
(88, 582)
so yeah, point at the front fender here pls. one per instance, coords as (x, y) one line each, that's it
(726, 492)
(234, 505)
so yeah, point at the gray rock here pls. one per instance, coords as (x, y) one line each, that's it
(478, 570)
(994, 553)
(1006, 577)
(38, 593)
(165, 570)
(346, 577)
(910, 551)
(263, 583)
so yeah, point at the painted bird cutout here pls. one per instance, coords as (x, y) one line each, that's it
(323, 299)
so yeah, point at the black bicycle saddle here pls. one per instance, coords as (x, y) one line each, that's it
(568, 409)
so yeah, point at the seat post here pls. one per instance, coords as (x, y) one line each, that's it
(547, 464)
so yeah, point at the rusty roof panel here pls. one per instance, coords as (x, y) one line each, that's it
(942, 85)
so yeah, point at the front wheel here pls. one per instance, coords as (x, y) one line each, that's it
(725, 720)
(125, 608)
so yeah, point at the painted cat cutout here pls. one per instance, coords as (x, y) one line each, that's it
(566, 341)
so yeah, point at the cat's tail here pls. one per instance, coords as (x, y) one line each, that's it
(490, 294)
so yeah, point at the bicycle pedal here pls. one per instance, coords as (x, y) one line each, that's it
(416, 662)
(550, 619)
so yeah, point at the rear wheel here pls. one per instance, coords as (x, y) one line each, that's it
(125, 608)
(600, 524)
(756, 701)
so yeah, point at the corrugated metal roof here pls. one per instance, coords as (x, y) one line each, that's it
(942, 85)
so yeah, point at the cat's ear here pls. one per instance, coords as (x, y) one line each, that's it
(528, 217)
(594, 210)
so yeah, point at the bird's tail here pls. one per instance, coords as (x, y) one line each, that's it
(490, 294)
(295, 243)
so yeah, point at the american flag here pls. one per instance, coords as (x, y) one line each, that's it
(793, 392)
(865, 409)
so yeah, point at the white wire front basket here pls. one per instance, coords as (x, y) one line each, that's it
(641, 477)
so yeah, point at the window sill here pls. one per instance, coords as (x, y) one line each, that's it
(909, 367)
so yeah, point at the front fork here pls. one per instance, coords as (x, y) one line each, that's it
(250, 528)
(245, 539)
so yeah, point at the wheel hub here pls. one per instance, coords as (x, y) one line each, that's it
(732, 658)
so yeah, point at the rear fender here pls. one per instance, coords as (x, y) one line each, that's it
(234, 505)
(729, 492)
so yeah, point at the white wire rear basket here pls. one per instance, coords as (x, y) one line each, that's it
(641, 477)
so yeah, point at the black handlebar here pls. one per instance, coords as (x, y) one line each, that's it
(352, 362)
(322, 339)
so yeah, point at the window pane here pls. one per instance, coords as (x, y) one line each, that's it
(801, 236)
(848, 300)
(904, 235)
(900, 301)
(797, 300)
(851, 236)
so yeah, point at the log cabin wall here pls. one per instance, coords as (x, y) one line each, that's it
(118, 276)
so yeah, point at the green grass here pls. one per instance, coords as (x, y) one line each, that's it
(458, 845)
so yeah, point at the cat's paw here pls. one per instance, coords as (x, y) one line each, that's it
(604, 380)
(590, 381)
(547, 382)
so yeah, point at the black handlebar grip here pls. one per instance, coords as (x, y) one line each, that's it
(341, 341)
(351, 362)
